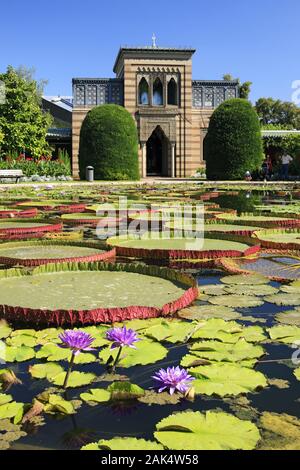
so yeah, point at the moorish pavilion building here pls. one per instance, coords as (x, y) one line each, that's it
(171, 110)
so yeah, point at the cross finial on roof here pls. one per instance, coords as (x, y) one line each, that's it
(154, 40)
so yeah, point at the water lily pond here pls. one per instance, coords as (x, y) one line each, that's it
(150, 344)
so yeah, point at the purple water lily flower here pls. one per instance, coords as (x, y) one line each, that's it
(172, 379)
(76, 340)
(121, 337)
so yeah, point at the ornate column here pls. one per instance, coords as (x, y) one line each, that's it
(144, 159)
(172, 160)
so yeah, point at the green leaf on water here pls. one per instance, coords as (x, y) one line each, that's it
(97, 395)
(172, 331)
(125, 391)
(245, 279)
(206, 312)
(76, 379)
(58, 404)
(147, 352)
(226, 379)
(128, 443)
(45, 371)
(5, 398)
(238, 301)
(17, 353)
(92, 446)
(210, 431)
(52, 352)
(284, 299)
(287, 334)
(12, 410)
(236, 352)
(5, 330)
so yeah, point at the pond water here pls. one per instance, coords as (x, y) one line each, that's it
(138, 418)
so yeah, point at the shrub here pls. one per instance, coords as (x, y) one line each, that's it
(233, 144)
(108, 142)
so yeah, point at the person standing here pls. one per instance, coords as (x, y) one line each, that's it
(286, 159)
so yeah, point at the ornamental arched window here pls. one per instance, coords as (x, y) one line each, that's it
(158, 93)
(172, 92)
(143, 92)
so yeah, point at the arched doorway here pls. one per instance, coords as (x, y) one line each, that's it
(157, 153)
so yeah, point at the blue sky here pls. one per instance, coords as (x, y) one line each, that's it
(255, 40)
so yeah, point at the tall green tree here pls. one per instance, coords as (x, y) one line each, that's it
(244, 88)
(283, 114)
(22, 120)
(233, 144)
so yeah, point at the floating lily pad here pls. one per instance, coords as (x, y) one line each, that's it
(205, 312)
(229, 332)
(82, 286)
(212, 289)
(12, 410)
(291, 317)
(45, 371)
(97, 395)
(288, 334)
(21, 340)
(237, 352)
(147, 352)
(17, 353)
(58, 404)
(92, 446)
(257, 290)
(240, 301)
(245, 279)
(76, 379)
(165, 247)
(125, 391)
(282, 432)
(172, 331)
(128, 443)
(297, 373)
(210, 431)
(152, 397)
(226, 379)
(5, 330)
(284, 299)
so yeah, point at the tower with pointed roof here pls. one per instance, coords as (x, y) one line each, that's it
(171, 110)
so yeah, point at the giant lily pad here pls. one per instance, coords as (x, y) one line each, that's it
(211, 431)
(226, 379)
(165, 247)
(60, 293)
(35, 253)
